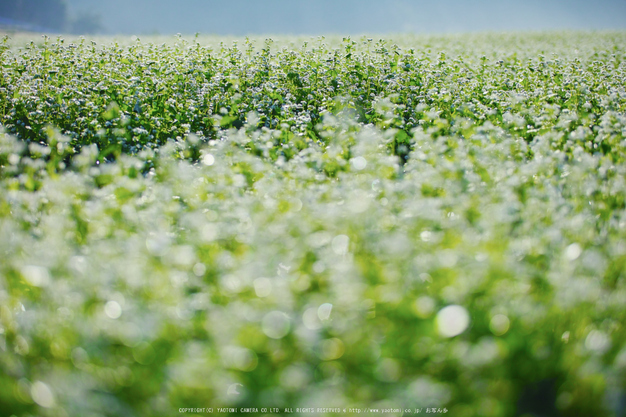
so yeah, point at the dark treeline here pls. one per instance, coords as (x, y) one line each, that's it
(47, 15)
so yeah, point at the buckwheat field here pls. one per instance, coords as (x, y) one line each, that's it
(418, 222)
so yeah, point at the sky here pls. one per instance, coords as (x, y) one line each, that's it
(350, 17)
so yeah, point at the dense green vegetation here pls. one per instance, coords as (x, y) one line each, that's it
(423, 222)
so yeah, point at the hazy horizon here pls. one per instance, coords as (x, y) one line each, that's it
(297, 17)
